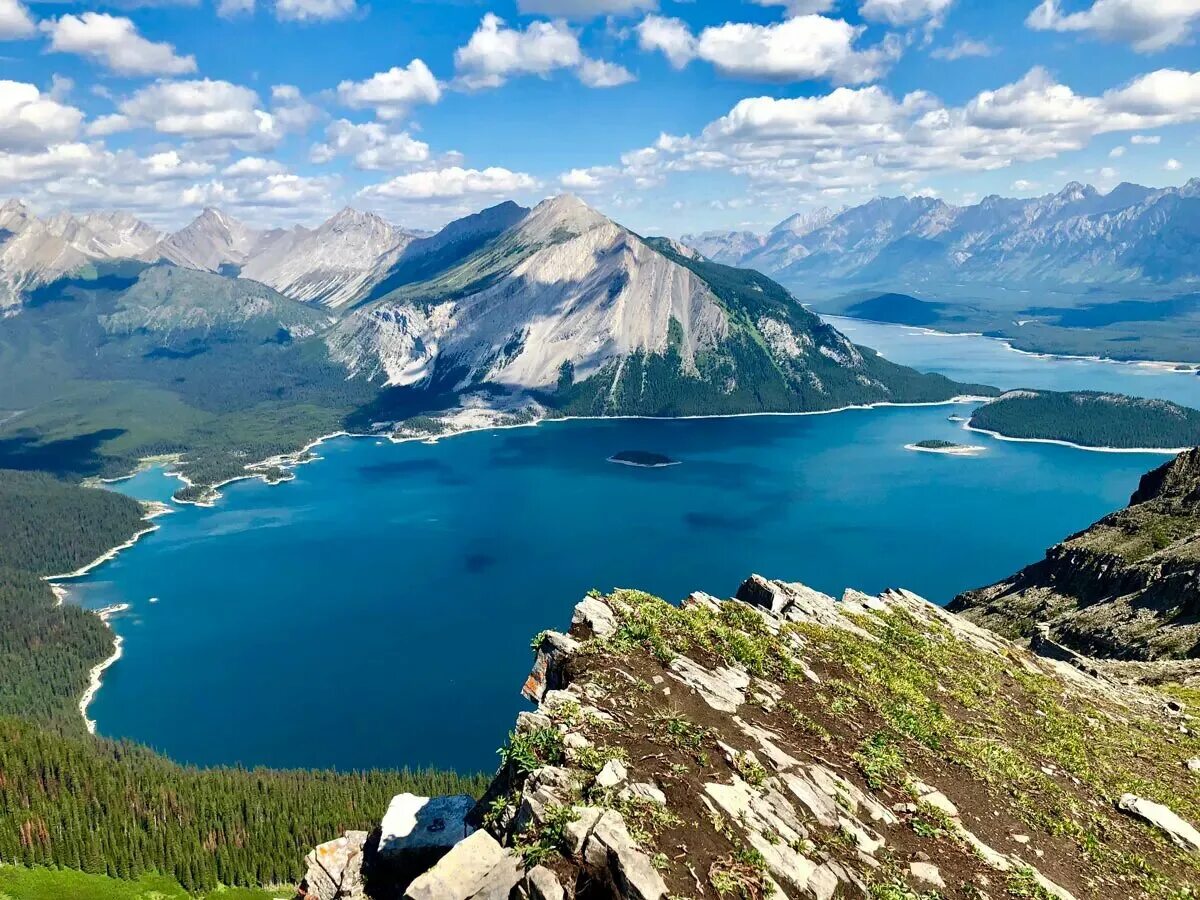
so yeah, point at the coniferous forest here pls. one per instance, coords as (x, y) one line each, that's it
(71, 800)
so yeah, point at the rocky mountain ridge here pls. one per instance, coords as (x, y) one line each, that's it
(784, 744)
(1078, 235)
(1128, 587)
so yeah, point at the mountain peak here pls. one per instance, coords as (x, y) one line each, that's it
(564, 213)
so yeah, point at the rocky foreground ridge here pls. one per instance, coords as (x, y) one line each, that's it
(1127, 588)
(785, 744)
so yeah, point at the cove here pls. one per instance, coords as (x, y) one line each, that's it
(375, 611)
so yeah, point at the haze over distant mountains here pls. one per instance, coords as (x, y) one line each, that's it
(1132, 234)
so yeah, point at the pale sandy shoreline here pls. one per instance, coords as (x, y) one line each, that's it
(961, 450)
(1163, 451)
(96, 675)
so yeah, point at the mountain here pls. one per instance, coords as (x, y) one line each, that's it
(211, 242)
(1077, 235)
(334, 264)
(728, 247)
(567, 305)
(785, 744)
(1128, 587)
(35, 252)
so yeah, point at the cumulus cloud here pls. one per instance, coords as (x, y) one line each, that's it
(496, 52)
(15, 21)
(597, 73)
(450, 182)
(202, 109)
(905, 12)
(590, 179)
(371, 146)
(583, 9)
(229, 8)
(963, 48)
(1148, 25)
(860, 138)
(1146, 139)
(797, 49)
(1173, 165)
(1117, 152)
(114, 42)
(314, 10)
(394, 92)
(799, 7)
(31, 120)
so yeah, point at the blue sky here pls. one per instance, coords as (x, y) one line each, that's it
(670, 116)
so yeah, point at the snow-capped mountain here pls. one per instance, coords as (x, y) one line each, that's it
(333, 264)
(1074, 236)
(210, 242)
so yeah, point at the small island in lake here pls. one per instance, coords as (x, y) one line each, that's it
(643, 459)
(1090, 419)
(948, 447)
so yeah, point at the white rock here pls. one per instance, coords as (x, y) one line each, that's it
(477, 868)
(1182, 833)
(414, 824)
(613, 773)
(723, 689)
(592, 618)
(927, 873)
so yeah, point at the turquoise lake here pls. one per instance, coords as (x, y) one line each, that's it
(377, 611)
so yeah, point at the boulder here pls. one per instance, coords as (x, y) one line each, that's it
(927, 873)
(722, 689)
(477, 868)
(613, 773)
(592, 618)
(542, 884)
(1182, 834)
(418, 831)
(334, 869)
(611, 847)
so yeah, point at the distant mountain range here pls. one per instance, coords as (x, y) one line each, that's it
(1130, 235)
(358, 324)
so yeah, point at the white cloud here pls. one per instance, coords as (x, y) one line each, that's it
(15, 21)
(963, 48)
(31, 120)
(253, 167)
(453, 181)
(797, 49)
(862, 138)
(1023, 186)
(670, 36)
(371, 145)
(110, 124)
(905, 12)
(588, 179)
(202, 109)
(229, 8)
(114, 42)
(314, 10)
(394, 92)
(583, 9)
(1146, 139)
(496, 53)
(1117, 152)
(1173, 165)
(1148, 25)
(597, 73)
(799, 7)
(291, 110)
(169, 164)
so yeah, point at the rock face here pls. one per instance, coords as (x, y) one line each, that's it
(787, 744)
(1128, 587)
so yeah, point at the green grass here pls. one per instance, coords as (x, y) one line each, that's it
(18, 883)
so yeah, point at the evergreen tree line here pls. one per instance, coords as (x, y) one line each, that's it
(73, 801)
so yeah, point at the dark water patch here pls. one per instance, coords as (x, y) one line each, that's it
(478, 562)
(643, 459)
(172, 353)
(413, 469)
(76, 456)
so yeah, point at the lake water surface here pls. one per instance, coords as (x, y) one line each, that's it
(377, 610)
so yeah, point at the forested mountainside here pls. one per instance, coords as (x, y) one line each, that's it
(552, 310)
(113, 808)
(784, 744)
(1090, 419)
(1128, 587)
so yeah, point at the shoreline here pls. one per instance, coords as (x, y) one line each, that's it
(96, 674)
(961, 450)
(285, 461)
(1177, 367)
(996, 435)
